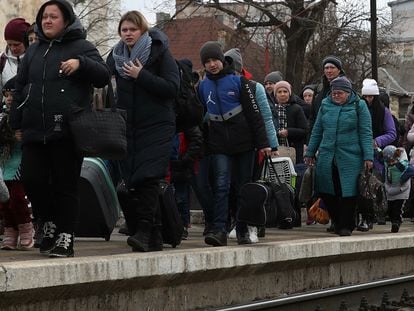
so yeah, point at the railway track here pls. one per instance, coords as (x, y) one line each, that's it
(389, 294)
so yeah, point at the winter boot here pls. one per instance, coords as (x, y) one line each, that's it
(10, 238)
(26, 233)
(140, 240)
(63, 246)
(155, 242)
(49, 237)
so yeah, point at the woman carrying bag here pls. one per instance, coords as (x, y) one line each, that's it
(343, 136)
(292, 121)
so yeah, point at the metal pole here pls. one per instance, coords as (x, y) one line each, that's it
(374, 50)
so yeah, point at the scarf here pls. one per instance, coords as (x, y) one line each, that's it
(282, 114)
(140, 51)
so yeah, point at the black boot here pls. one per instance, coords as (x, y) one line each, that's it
(141, 239)
(155, 242)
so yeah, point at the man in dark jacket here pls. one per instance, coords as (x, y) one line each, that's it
(56, 75)
(332, 68)
(235, 129)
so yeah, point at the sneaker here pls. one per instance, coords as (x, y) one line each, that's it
(395, 227)
(363, 226)
(232, 234)
(184, 236)
(216, 238)
(49, 237)
(26, 233)
(63, 246)
(253, 234)
(10, 238)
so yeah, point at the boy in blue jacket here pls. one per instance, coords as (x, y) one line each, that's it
(235, 130)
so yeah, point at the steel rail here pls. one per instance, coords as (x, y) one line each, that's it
(309, 296)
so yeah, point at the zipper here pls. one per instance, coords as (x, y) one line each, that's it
(43, 91)
(27, 97)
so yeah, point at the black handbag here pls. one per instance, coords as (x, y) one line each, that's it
(284, 197)
(253, 198)
(98, 131)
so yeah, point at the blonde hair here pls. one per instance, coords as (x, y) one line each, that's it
(136, 18)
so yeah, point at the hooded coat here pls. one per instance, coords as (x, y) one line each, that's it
(341, 133)
(44, 98)
(149, 101)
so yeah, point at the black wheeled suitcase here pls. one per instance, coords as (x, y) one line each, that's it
(172, 225)
(99, 206)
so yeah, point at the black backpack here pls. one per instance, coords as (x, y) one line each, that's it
(189, 111)
(399, 129)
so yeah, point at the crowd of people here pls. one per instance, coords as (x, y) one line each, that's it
(49, 68)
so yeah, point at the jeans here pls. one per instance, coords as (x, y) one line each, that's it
(214, 179)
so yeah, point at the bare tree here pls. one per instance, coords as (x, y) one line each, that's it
(297, 20)
(100, 19)
(299, 34)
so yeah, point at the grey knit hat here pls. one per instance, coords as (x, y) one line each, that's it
(341, 83)
(211, 49)
(235, 55)
(274, 76)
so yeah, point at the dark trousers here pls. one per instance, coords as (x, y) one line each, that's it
(50, 175)
(15, 210)
(142, 204)
(341, 209)
(395, 211)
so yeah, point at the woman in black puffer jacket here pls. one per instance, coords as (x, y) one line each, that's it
(147, 81)
(56, 75)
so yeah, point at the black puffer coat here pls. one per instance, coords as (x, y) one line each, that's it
(151, 119)
(45, 98)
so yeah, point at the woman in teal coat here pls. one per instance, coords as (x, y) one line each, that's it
(343, 136)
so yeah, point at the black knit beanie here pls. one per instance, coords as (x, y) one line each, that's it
(331, 59)
(211, 49)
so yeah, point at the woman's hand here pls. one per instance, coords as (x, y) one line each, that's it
(368, 164)
(69, 67)
(283, 133)
(310, 161)
(132, 69)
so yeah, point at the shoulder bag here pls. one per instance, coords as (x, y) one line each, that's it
(287, 151)
(98, 131)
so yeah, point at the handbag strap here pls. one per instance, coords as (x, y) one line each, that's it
(110, 97)
(104, 98)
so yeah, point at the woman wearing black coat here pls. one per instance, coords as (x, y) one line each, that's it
(292, 120)
(56, 75)
(147, 80)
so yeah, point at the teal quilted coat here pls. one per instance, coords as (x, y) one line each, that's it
(341, 133)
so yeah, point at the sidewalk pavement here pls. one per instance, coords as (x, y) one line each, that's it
(87, 247)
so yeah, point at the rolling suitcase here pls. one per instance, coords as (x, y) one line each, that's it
(99, 206)
(172, 225)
